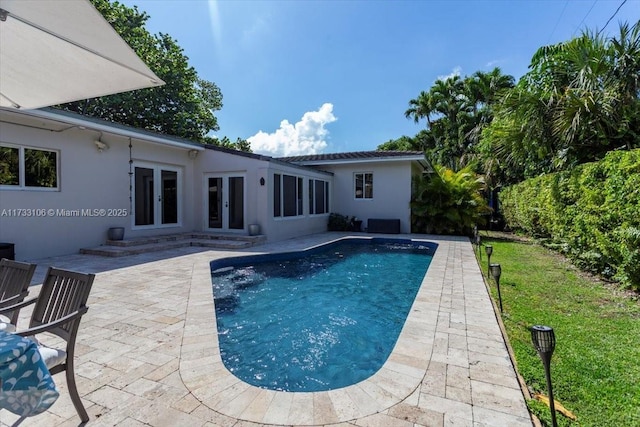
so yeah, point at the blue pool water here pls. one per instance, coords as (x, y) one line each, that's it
(316, 320)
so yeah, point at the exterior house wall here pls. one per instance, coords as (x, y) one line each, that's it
(220, 163)
(391, 191)
(87, 180)
(280, 228)
(258, 198)
(96, 188)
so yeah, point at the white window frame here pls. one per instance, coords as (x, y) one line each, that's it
(312, 196)
(22, 169)
(299, 195)
(363, 176)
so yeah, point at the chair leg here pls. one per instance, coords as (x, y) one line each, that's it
(73, 391)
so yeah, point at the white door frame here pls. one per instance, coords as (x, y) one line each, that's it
(158, 201)
(225, 201)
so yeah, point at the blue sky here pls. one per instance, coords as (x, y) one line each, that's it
(304, 77)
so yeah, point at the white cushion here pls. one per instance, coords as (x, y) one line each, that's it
(51, 356)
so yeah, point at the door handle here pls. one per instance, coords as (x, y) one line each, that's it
(226, 204)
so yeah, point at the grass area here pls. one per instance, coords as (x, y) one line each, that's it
(595, 368)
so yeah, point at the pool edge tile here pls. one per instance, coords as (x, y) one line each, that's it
(397, 380)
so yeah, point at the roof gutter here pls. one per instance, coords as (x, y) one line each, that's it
(109, 128)
(365, 160)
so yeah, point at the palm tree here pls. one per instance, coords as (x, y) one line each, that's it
(448, 202)
(484, 90)
(421, 107)
(456, 111)
(579, 101)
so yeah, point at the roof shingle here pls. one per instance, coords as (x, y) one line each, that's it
(356, 155)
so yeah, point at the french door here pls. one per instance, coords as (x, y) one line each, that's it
(157, 194)
(224, 202)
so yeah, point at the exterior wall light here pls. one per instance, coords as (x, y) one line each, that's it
(100, 146)
(544, 341)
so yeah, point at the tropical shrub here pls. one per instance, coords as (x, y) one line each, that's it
(591, 213)
(448, 202)
(339, 222)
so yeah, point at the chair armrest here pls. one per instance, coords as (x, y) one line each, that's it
(61, 321)
(18, 306)
(13, 300)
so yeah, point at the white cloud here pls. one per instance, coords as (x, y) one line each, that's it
(456, 72)
(307, 136)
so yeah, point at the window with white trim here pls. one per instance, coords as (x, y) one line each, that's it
(318, 197)
(23, 167)
(363, 185)
(287, 195)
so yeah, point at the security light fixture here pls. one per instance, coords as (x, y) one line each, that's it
(544, 341)
(101, 146)
(495, 270)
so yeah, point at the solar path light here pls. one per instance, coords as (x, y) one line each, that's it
(489, 250)
(496, 271)
(544, 341)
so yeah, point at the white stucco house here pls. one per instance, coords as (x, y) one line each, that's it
(65, 179)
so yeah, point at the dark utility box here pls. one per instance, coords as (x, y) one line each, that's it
(389, 226)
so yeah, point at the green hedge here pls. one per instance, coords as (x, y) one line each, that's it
(591, 213)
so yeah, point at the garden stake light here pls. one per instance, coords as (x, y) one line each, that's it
(496, 271)
(489, 250)
(544, 341)
(476, 236)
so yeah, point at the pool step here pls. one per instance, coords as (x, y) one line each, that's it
(140, 245)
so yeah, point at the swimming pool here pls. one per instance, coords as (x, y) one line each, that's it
(319, 319)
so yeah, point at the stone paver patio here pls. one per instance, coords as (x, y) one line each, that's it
(147, 352)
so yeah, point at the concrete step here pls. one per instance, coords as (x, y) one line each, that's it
(140, 245)
(139, 241)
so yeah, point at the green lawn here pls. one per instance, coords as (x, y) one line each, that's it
(596, 365)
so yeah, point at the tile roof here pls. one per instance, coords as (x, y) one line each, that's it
(357, 155)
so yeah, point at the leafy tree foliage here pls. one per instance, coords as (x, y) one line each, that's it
(448, 202)
(589, 212)
(183, 107)
(404, 143)
(579, 101)
(240, 144)
(456, 109)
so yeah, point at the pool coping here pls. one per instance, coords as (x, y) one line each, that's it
(443, 308)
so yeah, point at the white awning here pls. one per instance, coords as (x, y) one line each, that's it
(52, 52)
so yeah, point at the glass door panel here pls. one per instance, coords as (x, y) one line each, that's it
(225, 202)
(215, 202)
(169, 197)
(236, 202)
(145, 201)
(156, 196)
